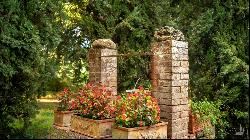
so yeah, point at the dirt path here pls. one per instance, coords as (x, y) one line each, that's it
(48, 100)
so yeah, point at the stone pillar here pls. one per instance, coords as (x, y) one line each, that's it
(169, 78)
(103, 64)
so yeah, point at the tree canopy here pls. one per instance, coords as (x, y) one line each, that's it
(44, 45)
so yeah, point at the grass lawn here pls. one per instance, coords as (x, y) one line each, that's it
(42, 123)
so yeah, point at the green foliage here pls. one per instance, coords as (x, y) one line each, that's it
(130, 24)
(210, 111)
(218, 36)
(28, 34)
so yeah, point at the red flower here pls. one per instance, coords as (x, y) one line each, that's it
(65, 90)
(136, 94)
(64, 98)
(94, 102)
(119, 97)
(140, 88)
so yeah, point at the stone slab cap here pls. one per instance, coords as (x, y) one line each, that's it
(104, 43)
(168, 33)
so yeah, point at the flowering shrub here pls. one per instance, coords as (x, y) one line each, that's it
(94, 102)
(137, 109)
(64, 99)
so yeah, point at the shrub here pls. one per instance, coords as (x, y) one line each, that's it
(137, 109)
(64, 100)
(210, 111)
(94, 102)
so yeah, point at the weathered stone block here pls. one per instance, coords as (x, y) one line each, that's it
(165, 90)
(176, 90)
(164, 83)
(176, 57)
(184, 64)
(179, 70)
(104, 43)
(183, 107)
(164, 101)
(182, 50)
(175, 50)
(184, 100)
(184, 82)
(179, 44)
(175, 115)
(185, 76)
(176, 63)
(184, 88)
(162, 95)
(176, 83)
(165, 114)
(184, 114)
(165, 76)
(183, 57)
(175, 108)
(176, 76)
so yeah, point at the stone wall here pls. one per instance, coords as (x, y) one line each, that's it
(169, 77)
(103, 64)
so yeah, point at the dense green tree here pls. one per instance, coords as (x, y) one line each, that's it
(45, 43)
(130, 24)
(218, 36)
(29, 34)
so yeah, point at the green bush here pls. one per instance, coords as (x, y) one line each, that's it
(208, 110)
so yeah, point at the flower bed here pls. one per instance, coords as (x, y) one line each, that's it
(95, 111)
(138, 116)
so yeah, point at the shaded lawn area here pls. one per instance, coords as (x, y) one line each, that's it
(41, 125)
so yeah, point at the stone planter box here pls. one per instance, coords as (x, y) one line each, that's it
(157, 131)
(62, 118)
(93, 128)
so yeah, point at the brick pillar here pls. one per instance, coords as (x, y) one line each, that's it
(103, 69)
(169, 78)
